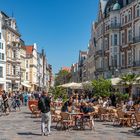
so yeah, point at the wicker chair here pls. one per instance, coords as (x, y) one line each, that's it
(66, 120)
(103, 114)
(136, 123)
(121, 119)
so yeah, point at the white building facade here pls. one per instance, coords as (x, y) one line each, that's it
(2, 57)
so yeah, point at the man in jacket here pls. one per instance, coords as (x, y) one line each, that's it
(44, 107)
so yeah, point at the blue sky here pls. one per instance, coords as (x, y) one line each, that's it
(61, 27)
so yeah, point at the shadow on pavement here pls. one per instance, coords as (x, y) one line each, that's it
(131, 132)
(28, 134)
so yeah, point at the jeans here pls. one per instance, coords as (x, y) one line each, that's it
(45, 119)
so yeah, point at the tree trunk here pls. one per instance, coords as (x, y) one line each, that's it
(130, 91)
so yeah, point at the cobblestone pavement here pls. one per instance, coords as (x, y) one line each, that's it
(20, 126)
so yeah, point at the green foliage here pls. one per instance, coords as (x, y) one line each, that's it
(128, 80)
(87, 86)
(59, 92)
(101, 87)
(62, 77)
(121, 97)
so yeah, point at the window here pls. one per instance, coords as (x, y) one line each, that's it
(129, 62)
(111, 40)
(139, 54)
(27, 66)
(129, 16)
(14, 70)
(115, 39)
(123, 39)
(9, 69)
(1, 56)
(0, 35)
(1, 72)
(1, 45)
(130, 35)
(138, 11)
(115, 20)
(122, 20)
(123, 60)
(14, 53)
(115, 49)
(125, 18)
(26, 75)
(106, 43)
(115, 61)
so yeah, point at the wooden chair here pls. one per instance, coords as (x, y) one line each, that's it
(88, 120)
(103, 114)
(136, 123)
(35, 111)
(66, 120)
(121, 119)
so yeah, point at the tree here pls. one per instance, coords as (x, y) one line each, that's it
(87, 86)
(62, 77)
(128, 80)
(101, 87)
(59, 92)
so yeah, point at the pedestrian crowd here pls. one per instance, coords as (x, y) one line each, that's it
(12, 101)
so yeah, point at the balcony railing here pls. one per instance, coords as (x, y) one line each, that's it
(99, 52)
(136, 39)
(99, 69)
(136, 63)
(115, 26)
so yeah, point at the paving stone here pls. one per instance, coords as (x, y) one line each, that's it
(20, 126)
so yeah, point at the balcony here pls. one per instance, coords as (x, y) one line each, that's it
(136, 64)
(99, 52)
(115, 26)
(136, 39)
(99, 69)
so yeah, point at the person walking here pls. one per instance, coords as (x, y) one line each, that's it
(5, 101)
(44, 106)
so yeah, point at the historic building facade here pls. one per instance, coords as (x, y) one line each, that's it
(2, 56)
(117, 38)
(31, 65)
(11, 45)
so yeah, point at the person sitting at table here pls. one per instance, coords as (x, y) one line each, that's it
(124, 106)
(86, 108)
(67, 105)
(130, 103)
(106, 103)
(76, 100)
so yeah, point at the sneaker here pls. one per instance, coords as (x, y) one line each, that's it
(48, 134)
(42, 134)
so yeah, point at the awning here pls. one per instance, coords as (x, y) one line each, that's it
(25, 84)
(115, 81)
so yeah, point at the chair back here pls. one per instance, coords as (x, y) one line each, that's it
(65, 116)
(137, 116)
(120, 114)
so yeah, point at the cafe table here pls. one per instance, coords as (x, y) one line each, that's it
(75, 116)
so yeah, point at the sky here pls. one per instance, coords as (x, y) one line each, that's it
(61, 27)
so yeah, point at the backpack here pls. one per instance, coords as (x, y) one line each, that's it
(41, 104)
